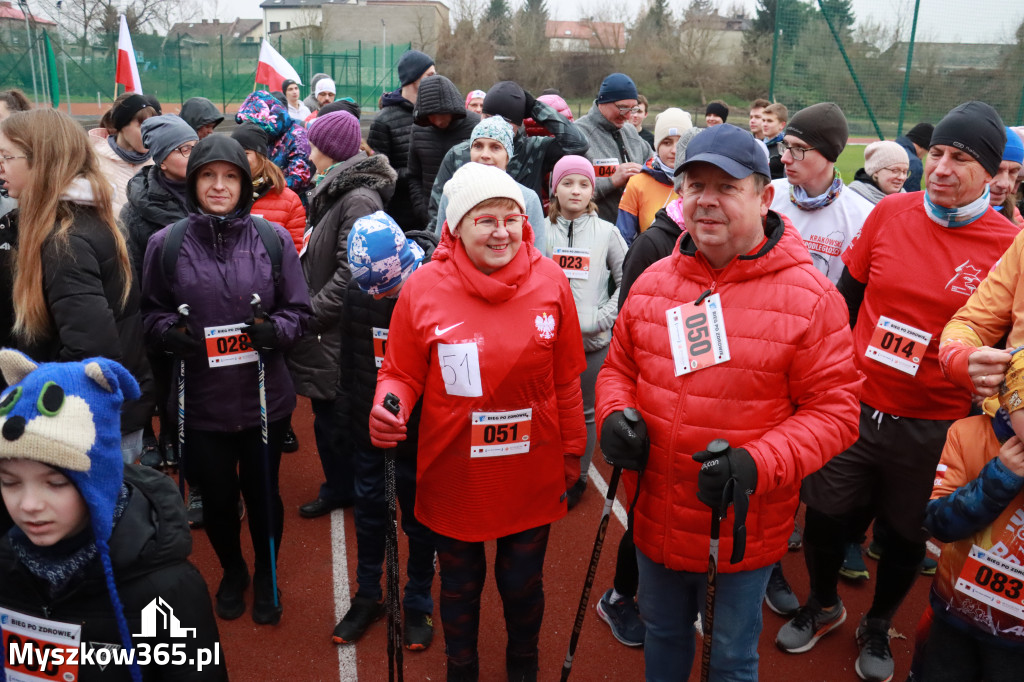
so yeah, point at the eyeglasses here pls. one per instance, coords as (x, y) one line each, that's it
(797, 153)
(4, 158)
(629, 110)
(490, 222)
(898, 172)
(185, 149)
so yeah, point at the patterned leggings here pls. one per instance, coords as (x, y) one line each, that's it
(518, 570)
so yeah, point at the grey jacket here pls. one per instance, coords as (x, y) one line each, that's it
(352, 189)
(601, 134)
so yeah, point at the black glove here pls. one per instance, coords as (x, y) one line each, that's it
(717, 469)
(530, 102)
(263, 336)
(625, 444)
(179, 342)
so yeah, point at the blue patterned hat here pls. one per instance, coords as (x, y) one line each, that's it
(379, 254)
(495, 128)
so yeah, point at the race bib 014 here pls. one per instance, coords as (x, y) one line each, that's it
(898, 345)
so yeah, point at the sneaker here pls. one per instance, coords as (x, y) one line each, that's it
(151, 457)
(264, 611)
(195, 509)
(290, 442)
(874, 664)
(623, 617)
(929, 565)
(779, 596)
(796, 539)
(811, 623)
(418, 630)
(853, 567)
(874, 550)
(230, 601)
(363, 612)
(574, 493)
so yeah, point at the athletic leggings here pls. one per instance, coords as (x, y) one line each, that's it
(518, 571)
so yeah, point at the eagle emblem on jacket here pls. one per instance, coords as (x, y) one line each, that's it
(545, 324)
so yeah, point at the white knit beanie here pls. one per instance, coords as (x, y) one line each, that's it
(670, 122)
(879, 155)
(475, 183)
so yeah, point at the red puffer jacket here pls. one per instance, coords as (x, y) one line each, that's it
(286, 210)
(789, 394)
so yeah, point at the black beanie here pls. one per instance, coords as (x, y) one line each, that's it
(822, 126)
(288, 82)
(921, 135)
(718, 108)
(506, 99)
(124, 112)
(412, 65)
(975, 128)
(252, 138)
(343, 104)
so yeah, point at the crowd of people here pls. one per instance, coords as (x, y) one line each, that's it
(492, 291)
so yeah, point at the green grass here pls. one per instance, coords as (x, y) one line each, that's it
(850, 161)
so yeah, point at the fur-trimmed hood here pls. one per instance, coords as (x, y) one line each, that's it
(372, 172)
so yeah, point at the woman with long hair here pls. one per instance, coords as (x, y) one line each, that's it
(118, 143)
(73, 292)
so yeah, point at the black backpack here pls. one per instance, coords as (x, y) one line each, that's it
(176, 235)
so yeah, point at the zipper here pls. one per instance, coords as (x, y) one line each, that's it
(571, 223)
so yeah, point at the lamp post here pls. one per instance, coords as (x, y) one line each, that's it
(31, 59)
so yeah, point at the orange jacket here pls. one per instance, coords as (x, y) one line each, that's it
(286, 210)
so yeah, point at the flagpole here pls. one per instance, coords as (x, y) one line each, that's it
(63, 53)
(31, 59)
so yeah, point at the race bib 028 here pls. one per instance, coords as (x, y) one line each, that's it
(227, 345)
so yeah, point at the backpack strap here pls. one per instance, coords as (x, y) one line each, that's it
(272, 243)
(171, 249)
(176, 236)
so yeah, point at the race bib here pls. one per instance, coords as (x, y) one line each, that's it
(38, 649)
(227, 345)
(494, 434)
(605, 168)
(575, 263)
(460, 369)
(697, 335)
(305, 241)
(380, 345)
(993, 581)
(898, 345)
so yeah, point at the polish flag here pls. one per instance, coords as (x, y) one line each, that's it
(273, 69)
(127, 69)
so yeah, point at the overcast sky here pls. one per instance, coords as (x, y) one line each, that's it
(940, 20)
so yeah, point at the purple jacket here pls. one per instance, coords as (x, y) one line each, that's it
(222, 262)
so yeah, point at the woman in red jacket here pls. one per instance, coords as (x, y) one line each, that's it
(272, 198)
(487, 334)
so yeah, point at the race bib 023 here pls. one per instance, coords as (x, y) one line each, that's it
(575, 262)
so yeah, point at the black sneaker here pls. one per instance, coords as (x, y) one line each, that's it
(418, 630)
(363, 612)
(264, 611)
(151, 457)
(194, 509)
(290, 442)
(874, 664)
(230, 601)
(779, 596)
(521, 668)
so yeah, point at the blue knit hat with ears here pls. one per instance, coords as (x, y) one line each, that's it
(379, 254)
(67, 415)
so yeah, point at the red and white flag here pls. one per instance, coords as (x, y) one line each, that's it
(274, 69)
(127, 69)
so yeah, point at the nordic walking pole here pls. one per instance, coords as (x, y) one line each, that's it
(183, 311)
(259, 316)
(633, 417)
(395, 663)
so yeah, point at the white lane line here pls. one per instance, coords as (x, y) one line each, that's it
(346, 652)
(602, 487)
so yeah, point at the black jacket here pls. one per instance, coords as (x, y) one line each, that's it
(149, 551)
(437, 95)
(913, 181)
(82, 285)
(653, 244)
(151, 206)
(390, 134)
(358, 365)
(8, 243)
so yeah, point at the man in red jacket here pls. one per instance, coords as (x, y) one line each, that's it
(735, 335)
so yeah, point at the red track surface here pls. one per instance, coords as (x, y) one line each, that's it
(300, 647)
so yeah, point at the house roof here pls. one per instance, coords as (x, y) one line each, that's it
(209, 31)
(604, 35)
(10, 12)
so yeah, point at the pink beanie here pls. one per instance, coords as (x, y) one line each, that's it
(571, 165)
(337, 135)
(475, 94)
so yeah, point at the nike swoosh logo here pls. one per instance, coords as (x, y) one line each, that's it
(438, 331)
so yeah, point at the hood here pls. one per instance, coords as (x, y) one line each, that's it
(438, 95)
(151, 200)
(200, 111)
(370, 172)
(267, 112)
(219, 148)
(657, 173)
(153, 531)
(395, 99)
(427, 241)
(663, 222)
(784, 249)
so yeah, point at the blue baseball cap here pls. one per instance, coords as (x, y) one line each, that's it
(732, 149)
(1013, 151)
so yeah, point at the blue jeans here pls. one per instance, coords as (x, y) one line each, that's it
(669, 602)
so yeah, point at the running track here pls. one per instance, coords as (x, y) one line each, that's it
(316, 593)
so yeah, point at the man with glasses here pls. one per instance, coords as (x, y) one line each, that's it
(812, 195)
(616, 149)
